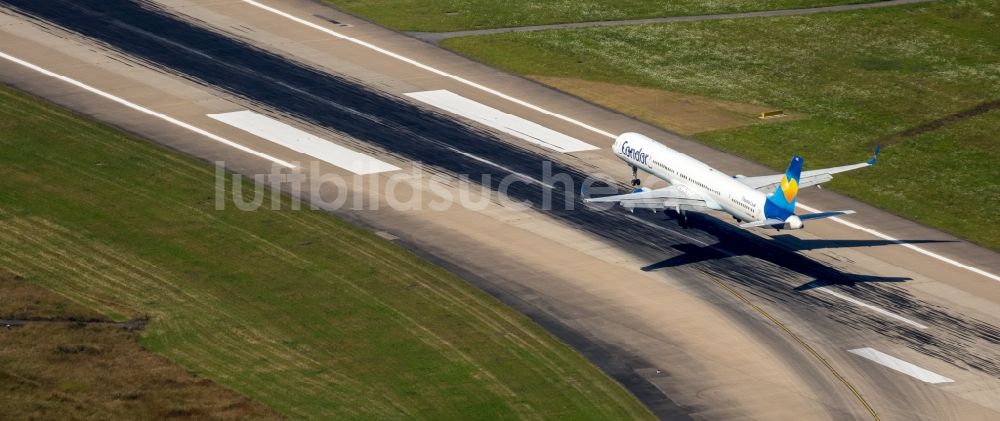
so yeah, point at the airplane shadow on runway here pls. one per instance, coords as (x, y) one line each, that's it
(781, 250)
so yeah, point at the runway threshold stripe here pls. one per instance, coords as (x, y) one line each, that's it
(878, 310)
(574, 121)
(303, 142)
(508, 123)
(901, 366)
(144, 110)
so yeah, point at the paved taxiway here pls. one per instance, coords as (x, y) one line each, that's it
(713, 322)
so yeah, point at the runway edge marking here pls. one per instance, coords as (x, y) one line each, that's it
(901, 366)
(909, 246)
(144, 110)
(578, 123)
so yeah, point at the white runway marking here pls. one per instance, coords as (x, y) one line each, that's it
(494, 164)
(901, 366)
(303, 142)
(507, 123)
(145, 110)
(871, 307)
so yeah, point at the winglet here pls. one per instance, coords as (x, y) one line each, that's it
(874, 157)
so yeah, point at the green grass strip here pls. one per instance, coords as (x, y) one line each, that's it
(457, 15)
(296, 309)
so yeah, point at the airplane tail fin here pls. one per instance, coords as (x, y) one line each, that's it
(781, 204)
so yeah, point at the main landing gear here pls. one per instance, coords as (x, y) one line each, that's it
(635, 177)
(682, 218)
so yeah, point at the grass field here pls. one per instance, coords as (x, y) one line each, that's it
(683, 113)
(64, 366)
(456, 15)
(295, 309)
(923, 80)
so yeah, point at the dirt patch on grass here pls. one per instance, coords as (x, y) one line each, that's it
(78, 364)
(945, 121)
(682, 113)
(23, 301)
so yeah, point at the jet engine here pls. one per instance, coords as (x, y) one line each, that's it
(793, 223)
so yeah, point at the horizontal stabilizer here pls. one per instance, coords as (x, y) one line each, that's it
(774, 222)
(764, 223)
(821, 215)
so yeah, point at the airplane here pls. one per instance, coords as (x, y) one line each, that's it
(765, 201)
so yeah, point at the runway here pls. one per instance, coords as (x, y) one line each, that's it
(712, 323)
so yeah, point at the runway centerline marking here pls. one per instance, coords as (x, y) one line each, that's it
(901, 366)
(144, 110)
(576, 122)
(494, 164)
(878, 310)
(527, 130)
(303, 142)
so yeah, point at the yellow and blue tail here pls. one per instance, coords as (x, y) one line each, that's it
(781, 204)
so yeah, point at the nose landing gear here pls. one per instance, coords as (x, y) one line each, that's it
(635, 177)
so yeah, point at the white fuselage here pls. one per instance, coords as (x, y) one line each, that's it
(720, 191)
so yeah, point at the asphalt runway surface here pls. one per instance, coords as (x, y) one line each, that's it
(775, 272)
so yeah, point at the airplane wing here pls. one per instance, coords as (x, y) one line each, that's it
(659, 199)
(767, 183)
